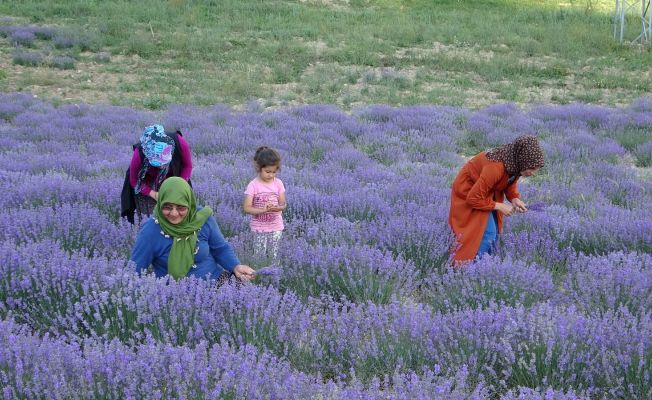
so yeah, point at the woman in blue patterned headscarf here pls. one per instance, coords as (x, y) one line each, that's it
(157, 156)
(158, 149)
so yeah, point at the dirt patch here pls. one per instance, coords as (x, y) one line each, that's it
(465, 52)
(334, 4)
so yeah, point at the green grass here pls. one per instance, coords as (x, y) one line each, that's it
(358, 52)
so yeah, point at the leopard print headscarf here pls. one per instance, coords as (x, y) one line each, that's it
(523, 153)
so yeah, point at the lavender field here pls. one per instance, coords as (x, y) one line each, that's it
(363, 302)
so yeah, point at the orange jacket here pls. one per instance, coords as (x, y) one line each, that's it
(480, 184)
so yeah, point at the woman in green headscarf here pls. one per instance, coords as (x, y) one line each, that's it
(183, 240)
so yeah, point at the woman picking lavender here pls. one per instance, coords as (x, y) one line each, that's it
(478, 193)
(184, 240)
(158, 155)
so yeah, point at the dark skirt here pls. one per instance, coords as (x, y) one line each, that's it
(144, 206)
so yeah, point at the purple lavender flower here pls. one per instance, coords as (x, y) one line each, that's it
(364, 302)
(22, 37)
(7, 27)
(44, 32)
(64, 40)
(28, 58)
(358, 274)
(601, 284)
(539, 206)
(490, 281)
(269, 271)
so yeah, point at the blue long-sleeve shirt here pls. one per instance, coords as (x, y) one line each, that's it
(214, 256)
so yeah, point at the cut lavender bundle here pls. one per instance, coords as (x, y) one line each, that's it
(540, 206)
(269, 271)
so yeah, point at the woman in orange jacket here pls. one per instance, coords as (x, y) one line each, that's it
(479, 190)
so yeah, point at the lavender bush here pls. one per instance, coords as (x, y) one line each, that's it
(362, 301)
(63, 62)
(44, 32)
(22, 37)
(607, 283)
(357, 274)
(490, 281)
(643, 153)
(8, 28)
(67, 39)
(28, 58)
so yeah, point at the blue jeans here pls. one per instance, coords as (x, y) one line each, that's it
(487, 245)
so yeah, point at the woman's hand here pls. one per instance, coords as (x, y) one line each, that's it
(519, 205)
(153, 194)
(244, 272)
(506, 209)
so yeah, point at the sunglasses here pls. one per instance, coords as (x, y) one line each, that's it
(167, 208)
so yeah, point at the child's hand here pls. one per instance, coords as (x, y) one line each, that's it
(276, 208)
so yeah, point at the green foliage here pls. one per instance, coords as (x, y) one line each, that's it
(644, 155)
(142, 46)
(64, 62)
(317, 154)
(28, 58)
(538, 364)
(472, 143)
(635, 377)
(633, 136)
(154, 102)
(232, 51)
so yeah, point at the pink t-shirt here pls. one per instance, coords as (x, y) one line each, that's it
(263, 193)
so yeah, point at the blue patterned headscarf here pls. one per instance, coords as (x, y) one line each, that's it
(158, 149)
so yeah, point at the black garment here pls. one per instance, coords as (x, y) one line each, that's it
(144, 206)
(127, 200)
(127, 197)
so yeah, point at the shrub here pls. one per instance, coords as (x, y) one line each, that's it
(28, 58)
(643, 153)
(63, 62)
(22, 37)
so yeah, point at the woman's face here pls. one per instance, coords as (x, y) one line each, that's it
(174, 213)
(529, 172)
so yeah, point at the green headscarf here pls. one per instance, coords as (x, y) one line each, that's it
(176, 190)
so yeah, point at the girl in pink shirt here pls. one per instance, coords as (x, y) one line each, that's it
(265, 201)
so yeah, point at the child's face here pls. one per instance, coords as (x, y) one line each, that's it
(268, 173)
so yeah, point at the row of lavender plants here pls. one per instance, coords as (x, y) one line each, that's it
(363, 301)
(35, 45)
